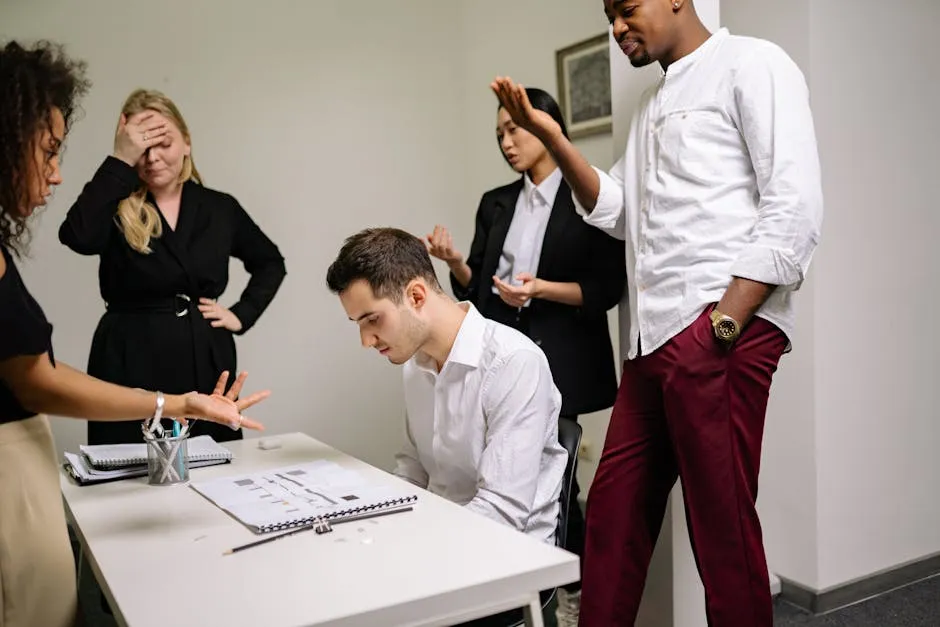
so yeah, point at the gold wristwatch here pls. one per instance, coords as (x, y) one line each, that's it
(726, 328)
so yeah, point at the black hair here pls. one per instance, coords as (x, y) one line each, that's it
(542, 101)
(33, 81)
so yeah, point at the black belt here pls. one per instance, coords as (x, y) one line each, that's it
(179, 305)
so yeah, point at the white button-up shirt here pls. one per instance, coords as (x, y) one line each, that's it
(522, 249)
(720, 178)
(483, 432)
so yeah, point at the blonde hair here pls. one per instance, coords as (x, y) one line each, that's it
(139, 219)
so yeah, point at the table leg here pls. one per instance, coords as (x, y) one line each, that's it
(533, 613)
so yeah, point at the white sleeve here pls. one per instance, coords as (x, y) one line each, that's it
(520, 402)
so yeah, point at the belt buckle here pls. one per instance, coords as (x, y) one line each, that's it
(185, 310)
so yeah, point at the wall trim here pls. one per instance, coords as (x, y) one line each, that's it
(837, 597)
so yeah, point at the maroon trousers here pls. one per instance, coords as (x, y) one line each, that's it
(692, 409)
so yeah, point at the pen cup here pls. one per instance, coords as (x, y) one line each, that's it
(167, 461)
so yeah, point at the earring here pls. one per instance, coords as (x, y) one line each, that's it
(675, 5)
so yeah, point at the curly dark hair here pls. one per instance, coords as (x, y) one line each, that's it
(33, 80)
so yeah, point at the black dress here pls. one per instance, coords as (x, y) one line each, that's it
(152, 334)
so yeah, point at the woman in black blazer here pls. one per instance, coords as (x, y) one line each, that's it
(536, 266)
(164, 242)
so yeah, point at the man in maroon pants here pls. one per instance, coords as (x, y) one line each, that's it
(719, 202)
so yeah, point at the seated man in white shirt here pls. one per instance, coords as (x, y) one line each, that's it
(482, 409)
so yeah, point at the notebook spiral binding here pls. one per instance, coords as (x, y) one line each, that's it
(117, 463)
(349, 511)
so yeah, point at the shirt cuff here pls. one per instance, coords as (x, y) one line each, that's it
(609, 203)
(772, 266)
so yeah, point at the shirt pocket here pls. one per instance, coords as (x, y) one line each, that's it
(692, 145)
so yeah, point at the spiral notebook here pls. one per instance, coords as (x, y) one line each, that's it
(112, 456)
(84, 474)
(293, 496)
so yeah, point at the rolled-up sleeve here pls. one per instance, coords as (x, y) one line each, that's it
(608, 212)
(773, 110)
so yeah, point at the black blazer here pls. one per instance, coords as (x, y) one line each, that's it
(151, 336)
(576, 340)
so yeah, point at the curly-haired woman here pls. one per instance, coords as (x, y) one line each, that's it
(39, 90)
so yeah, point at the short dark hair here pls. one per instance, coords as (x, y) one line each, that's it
(33, 80)
(541, 100)
(387, 258)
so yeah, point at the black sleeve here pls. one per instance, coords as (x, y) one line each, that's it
(25, 330)
(88, 223)
(263, 261)
(475, 257)
(604, 274)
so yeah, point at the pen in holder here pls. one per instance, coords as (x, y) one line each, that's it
(167, 459)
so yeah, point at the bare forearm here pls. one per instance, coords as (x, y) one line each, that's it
(564, 293)
(461, 271)
(578, 173)
(64, 391)
(743, 298)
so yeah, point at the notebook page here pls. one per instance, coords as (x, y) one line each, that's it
(295, 495)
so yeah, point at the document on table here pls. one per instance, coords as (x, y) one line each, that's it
(297, 495)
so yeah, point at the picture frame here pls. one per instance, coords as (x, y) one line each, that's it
(584, 86)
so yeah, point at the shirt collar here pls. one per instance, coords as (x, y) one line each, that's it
(547, 189)
(468, 345)
(681, 65)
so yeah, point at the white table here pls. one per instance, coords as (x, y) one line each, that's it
(158, 555)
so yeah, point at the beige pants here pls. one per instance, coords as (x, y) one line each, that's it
(37, 569)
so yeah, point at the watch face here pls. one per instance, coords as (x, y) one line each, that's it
(726, 329)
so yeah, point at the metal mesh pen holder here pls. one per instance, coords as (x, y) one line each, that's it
(167, 459)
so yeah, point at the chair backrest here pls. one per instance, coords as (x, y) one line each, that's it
(569, 436)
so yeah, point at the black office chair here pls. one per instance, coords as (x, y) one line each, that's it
(569, 436)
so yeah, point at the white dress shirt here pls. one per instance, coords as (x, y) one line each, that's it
(522, 248)
(484, 431)
(720, 178)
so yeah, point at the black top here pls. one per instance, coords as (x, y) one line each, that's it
(24, 330)
(152, 335)
(575, 340)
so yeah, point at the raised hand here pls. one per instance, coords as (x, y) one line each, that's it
(513, 98)
(136, 134)
(441, 245)
(226, 407)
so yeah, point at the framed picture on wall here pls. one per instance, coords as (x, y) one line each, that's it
(584, 86)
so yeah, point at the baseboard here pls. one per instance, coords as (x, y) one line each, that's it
(775, 585)
(821, 602)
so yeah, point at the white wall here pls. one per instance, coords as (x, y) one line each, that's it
(321, 118)
(876, 343)
(848, 486)
(788, 489)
